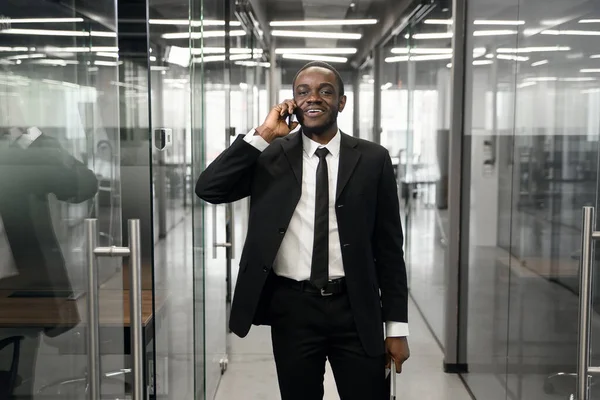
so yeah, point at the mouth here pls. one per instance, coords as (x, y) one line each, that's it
(314, 112)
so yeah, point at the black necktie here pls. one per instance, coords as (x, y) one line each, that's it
(319, 275)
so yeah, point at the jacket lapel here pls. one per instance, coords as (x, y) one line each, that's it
(349, 157)
(292, 147)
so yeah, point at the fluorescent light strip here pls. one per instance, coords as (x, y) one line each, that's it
(438, 21)
(185, 22)
(313, 57)
(501, 32)
(476, 22)
(253, 64)
(427, 57)
(483, 62)
(570, 32)
(103, 54)
(511, 57)
(59, 63)
(221, 50)
(325, 22)
(542, 79)
(438, 35)
(26, 56)
(308, 50)
(538, 63)
(107, 49)
(532, 49)
(421, 50)
(589, 70)
(15, 49)
(200, 35)
(526, 84)
(498, 22)
(396, 59)
(40, 20)
(589, 21)
(108, 63)
(317, 35)
(50, 32)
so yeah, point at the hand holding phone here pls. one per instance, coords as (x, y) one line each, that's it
(277, 124)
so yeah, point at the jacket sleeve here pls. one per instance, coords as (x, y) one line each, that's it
(46, 167)
(229, 177)
(388, 248)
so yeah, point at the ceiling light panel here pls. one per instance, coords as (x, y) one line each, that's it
(314, 50)
(316, 35)
(313, 57)
(324, 22)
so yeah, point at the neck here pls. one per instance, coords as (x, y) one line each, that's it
(323, 137)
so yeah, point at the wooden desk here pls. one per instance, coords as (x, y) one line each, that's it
(43, 312)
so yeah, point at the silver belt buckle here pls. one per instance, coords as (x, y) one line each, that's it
(325, 294)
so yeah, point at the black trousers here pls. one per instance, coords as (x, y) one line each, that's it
(307, 329)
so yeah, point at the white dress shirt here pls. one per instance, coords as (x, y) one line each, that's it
(294, 257)
(8, 267)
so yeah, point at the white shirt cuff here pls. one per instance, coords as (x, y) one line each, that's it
(396, 329)
(256, 140)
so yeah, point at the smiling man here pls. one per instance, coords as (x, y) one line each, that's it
(323, 262)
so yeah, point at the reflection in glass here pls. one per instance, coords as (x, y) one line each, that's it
(532, 144)
(415, 129)
(59, 151)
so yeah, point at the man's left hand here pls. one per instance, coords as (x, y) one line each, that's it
(397, 350)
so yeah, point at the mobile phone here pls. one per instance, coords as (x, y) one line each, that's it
(290, 120)
(390, 373)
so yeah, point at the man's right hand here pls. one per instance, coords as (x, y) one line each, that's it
(276, 125)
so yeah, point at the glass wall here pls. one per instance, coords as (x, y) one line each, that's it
(59, 164)
(415, 129)
(531, 151)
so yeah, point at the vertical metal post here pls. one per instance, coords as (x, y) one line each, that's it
(135, 317)
(377, 81)
(91, 234)
(458, 201)
(585, 294)
(356, 78)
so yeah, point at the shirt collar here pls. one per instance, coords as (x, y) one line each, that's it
(310, 146)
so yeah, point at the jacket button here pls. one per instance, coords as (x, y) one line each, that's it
(340, 205)
(281, 231)
(265, 269)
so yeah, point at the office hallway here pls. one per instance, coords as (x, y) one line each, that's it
(251, 373)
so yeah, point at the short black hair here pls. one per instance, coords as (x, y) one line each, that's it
(321, 64)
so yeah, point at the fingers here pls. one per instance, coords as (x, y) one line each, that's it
(286, 108)
(398, 367)
(294, 126)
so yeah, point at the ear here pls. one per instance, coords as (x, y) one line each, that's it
(342, 103)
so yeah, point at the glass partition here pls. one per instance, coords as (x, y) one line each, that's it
(415, 129)
(59, 165)
(531, 143)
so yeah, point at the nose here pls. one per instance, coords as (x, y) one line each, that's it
(314, 98)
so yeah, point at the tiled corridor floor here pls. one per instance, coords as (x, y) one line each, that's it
(251, 373)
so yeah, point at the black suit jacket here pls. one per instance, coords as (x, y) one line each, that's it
(27, 177)
(368, 219)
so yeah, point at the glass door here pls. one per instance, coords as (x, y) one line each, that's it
(60, 153)
(212, 223)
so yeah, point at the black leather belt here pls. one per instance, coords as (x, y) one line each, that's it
(335, 286)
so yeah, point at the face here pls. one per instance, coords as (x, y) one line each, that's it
(317, 95)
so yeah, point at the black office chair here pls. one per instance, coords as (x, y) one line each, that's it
(9, 380)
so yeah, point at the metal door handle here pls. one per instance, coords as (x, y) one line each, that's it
(229, 244)
(588, 235)
(135, 303)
